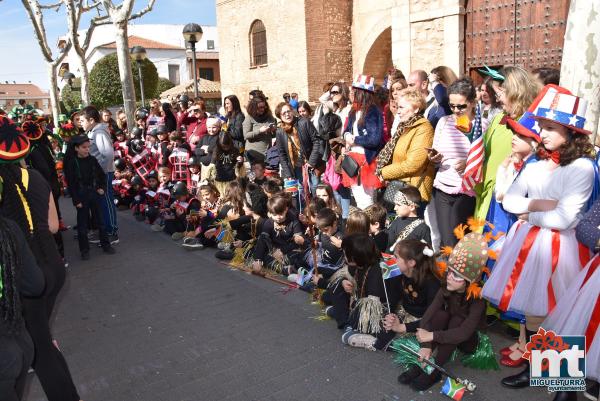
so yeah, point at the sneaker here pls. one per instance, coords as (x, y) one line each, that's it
(329, 311)
(114, 239)
(592, 392)
(85, 255)
(109, 249)
(410, 375)
(176, 236)
(424, 381)
(361, 340)
(156, 227)
(192, 244)
(93, 238)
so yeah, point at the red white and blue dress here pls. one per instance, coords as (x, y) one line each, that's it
(578, 312)
(542, 257)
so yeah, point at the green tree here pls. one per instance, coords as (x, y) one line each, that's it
(105, 83)
(163, 85)
(71, 96)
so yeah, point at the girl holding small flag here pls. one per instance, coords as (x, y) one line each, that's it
(455, 316)
(357, 293)
(417, 286)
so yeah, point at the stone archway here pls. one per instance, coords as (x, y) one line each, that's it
(379, 56)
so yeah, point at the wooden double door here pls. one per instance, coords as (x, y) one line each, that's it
(527, 33)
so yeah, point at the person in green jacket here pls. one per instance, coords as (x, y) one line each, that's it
(516, 93)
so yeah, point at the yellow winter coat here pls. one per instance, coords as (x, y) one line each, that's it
(410, 162)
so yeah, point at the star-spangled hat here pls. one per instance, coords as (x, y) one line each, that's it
(565, 109)
(527, 125)
(364, 82)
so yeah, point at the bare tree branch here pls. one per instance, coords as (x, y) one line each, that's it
(146, 9)
(55, 6)
(37, 21)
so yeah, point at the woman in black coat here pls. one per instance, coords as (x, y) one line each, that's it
(235, 120)
(299, 143)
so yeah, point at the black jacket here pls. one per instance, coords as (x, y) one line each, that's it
(83, 175)
(206, 156)
(235, 128)
(311, 146)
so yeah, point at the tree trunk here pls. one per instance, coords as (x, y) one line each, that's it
(125, 71)
(85, 93)
(53, 90)
(580, 70)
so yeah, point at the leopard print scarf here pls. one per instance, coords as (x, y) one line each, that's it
(385, 156)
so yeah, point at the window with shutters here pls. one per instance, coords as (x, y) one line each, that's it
(258, 44)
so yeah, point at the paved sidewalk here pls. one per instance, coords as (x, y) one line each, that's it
(156, 322)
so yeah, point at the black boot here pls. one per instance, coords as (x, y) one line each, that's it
(519, 380)
(410, 375)
(424, 381)
(565, 396)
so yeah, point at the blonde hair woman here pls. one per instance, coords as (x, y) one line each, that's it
(516, 93)
(404, 157)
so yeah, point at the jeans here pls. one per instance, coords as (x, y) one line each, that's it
(109, 210)
(343, 197)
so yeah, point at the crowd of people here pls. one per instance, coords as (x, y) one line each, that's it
(418, 212)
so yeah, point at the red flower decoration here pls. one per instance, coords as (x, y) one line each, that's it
(542, 341)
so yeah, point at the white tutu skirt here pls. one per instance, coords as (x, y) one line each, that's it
(578, 313)
(534, 269)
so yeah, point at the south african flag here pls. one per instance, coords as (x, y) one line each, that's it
(453, 389)
(389, 268)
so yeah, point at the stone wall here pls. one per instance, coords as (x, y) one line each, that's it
(329, 43)
(424, 33)
(286, 69)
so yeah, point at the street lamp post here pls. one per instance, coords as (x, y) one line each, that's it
(192, 33)
(139, 54)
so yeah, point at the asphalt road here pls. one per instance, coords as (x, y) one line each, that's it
(157, 322)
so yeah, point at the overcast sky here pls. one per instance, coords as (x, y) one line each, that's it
(22, 60)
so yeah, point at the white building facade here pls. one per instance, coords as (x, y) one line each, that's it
(164, 46)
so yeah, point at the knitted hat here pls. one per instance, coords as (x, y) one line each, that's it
(67, 130)
(14, 144)
(32, 130)
(469, 257)
(563, 108)
(527, 125)
(364, 82)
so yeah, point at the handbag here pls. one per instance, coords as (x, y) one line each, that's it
(330, 176)
(350, 166)
(396, 185)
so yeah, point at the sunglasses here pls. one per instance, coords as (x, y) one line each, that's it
(333, 93)
(458, 106)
